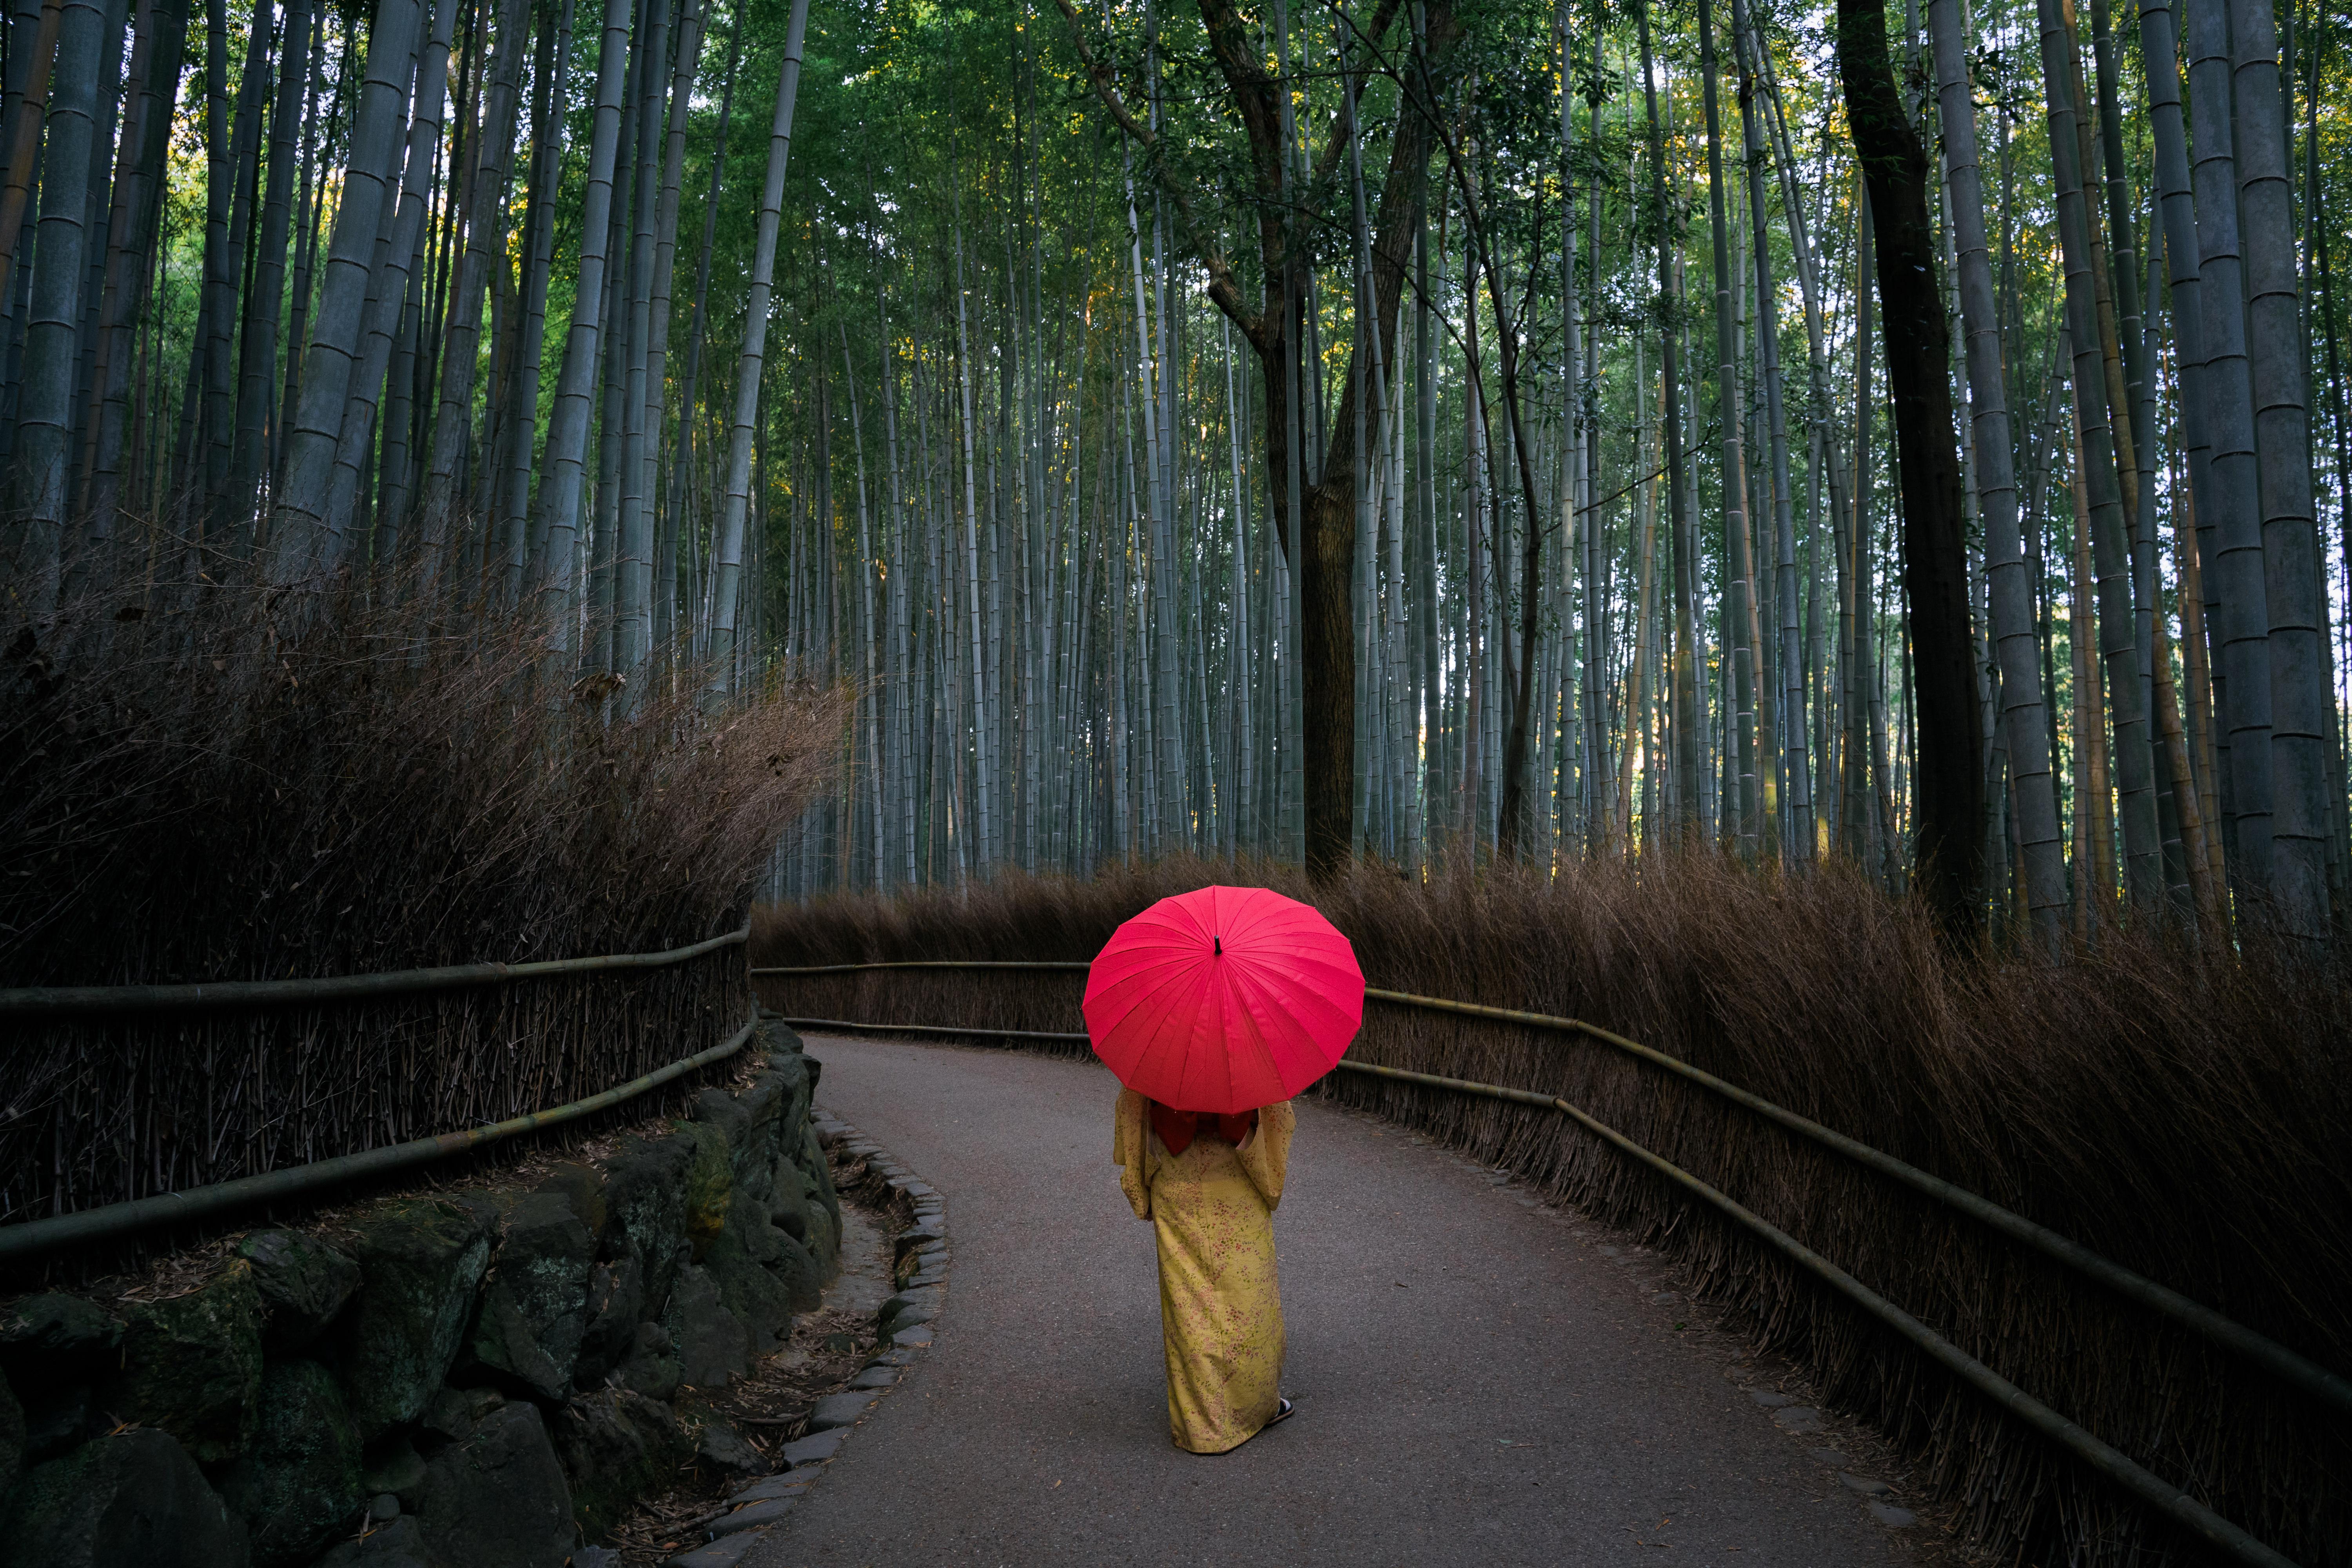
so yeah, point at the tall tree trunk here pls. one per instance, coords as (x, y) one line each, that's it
(2194, 551)
(1857, 609)
(2302, 748)
(2094, 877)
(1324, 561)
(53, 321)
(308, 204)
(138, 205)
(2124, 280)
(1637, 749)
(485, 233)
(2009, 591)
(1795, 755)
(1166, 758)
(1950, 795)
(729, 552)
(390, 320)
(36, 57)
(1739, 570)
(2118, 634)
(681, 108)
(567, 426)
(523, 545)
(230, 515)
(690, 387)
(258, 380)
(1686, 724)
(2234, 567)
(299, 541)
(633, 577)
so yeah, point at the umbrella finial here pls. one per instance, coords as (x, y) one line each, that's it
(1220, 945)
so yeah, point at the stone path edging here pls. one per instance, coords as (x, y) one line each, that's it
(919, 1267)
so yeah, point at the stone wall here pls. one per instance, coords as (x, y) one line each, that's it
(480, 1379)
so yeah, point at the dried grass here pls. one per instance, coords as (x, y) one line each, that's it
(2188, 1115)
(256, 787)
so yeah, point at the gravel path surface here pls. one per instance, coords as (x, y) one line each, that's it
(1476, 1382)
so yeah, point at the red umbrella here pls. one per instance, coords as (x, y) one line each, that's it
(1223, 1000)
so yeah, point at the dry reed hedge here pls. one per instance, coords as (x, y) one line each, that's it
(2187, 1116)
(254, 787)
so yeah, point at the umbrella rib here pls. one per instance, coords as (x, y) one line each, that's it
(1214, 992)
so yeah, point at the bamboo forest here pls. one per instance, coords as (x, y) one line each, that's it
(649, 647)
(1407, 432)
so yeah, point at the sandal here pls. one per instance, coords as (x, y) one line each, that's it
(1282, 1414)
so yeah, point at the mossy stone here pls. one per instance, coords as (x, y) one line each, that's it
(583, 1187)
(754, 1123)
(192, 1365)
(617, 1446)
(645, 1197)
(725, 1112)
(753, 1295)
(819, 1170)
(303, 1283)
(710, 1185)
(299, 1477)
(393, 1465)
(786, 1258)
(498, 1496)
(798, 1078)
(787, 1199)
(713, 1345)
(797, 1268)
(616, 1305)
(62, 1420)
(533, 1313)
(134, 1497)
(421, 1262)
(50, 1339)
(823, 1243)
(651, 1366)
(457, 1413)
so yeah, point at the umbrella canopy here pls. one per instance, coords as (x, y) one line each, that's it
(1223, 1000)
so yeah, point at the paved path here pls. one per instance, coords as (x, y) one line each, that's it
(1475, 1385)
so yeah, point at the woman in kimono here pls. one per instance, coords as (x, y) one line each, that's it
(1209, 1186)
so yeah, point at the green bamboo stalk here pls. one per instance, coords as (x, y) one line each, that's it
(728, 568)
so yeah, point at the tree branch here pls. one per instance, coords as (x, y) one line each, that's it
(1337, 146)
(1222, 287)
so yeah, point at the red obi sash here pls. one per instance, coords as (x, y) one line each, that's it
(1177, 1128)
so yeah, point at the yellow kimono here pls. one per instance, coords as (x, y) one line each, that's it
(1212, 1208)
